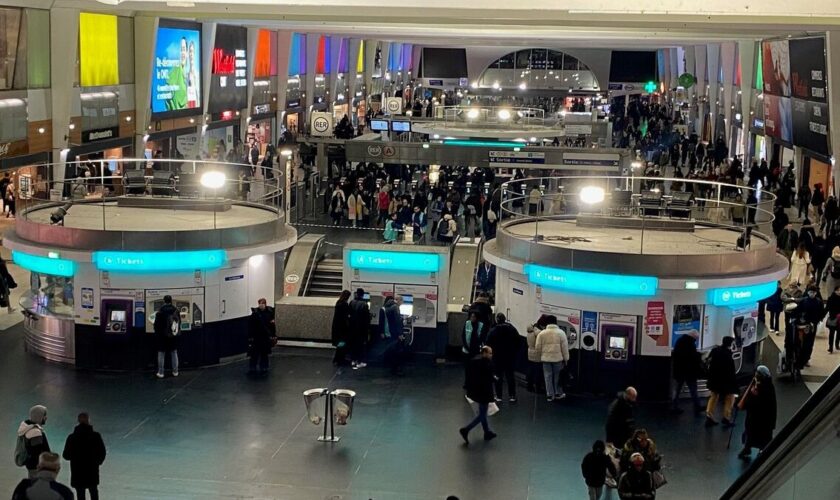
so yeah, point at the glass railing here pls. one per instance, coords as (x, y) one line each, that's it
(484, 116)
(96, 192)
(537, 208)
(800, 463)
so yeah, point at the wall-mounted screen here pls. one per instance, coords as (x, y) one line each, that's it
(379, 125)
(98, 50)
(176, 78)
(229, 80)
(398, 126)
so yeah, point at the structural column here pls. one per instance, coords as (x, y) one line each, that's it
(746, 56)
(832, 51)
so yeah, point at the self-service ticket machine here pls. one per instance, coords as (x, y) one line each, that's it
(117, 315)
(618, 343)
(407, 313)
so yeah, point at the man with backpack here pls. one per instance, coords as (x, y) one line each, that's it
(447, 229)
(167, 327)
(32, 440)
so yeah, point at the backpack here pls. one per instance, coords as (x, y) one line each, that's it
(443, 229)
(21, 448)
(173, 326)
(835, 269)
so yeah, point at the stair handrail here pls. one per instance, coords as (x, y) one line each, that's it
(312, 267)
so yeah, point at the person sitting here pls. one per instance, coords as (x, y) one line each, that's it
(640, 443)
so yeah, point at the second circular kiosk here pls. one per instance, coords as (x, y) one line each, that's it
(624, 285)
(101, 264)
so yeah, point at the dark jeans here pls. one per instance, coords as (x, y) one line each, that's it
(807, 346)
(258, 360)
(94, 493)
(833, 339)
(535, 377)
(505, 372)
(774, 320)
(481, 418)
(340, 357)
(692, 389)
(393, 355)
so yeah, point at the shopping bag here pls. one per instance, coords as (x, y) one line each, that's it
(492, 408)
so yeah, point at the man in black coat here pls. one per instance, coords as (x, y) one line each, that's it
(760, 405)
(85, 451)
(686, 369)
(262, 335)
(167, 327)
(505, 342)
(359, 328)
(721, 382)
(594, 467)
(621, 421)
(479, 386)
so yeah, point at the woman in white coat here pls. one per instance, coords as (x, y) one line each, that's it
(800, 263)
(553, 350)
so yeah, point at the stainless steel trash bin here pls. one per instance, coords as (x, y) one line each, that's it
(315, 409)
(343, 405)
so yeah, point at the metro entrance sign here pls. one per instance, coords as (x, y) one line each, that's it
(517, 157)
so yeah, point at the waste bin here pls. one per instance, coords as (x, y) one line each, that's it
(314, 409)
(343, 405)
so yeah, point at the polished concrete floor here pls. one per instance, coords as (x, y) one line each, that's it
(214, 433)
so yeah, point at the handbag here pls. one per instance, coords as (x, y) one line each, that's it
(830, 323)
(658, 479)
(492, 408)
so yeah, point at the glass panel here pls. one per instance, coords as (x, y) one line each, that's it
(523, 59)
(570, 62)
(9, 31)
(38, 48)
(13, 126)
(54, 293)
(125, 44)
(100, 110)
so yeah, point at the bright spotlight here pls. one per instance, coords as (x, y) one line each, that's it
(286, 152)
(635, 165)
(495, 85)
(472, 114)
(532, 139)
(591, 194)
(504, 114)
(523, 86)
(563, 113)
(474, 85)
(213, 180)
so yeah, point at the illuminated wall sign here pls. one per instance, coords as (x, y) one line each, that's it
(596, 283)
(46, 265)
(394, 261)
(159, 261)
(737, 295)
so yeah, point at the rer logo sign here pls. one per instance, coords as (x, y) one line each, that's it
(375, 151)
(393, 105)
(321, 124)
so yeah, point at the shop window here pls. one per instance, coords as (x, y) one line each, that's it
(13, 120)
(293, 92)
(53, 293)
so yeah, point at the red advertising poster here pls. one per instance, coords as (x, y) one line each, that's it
(655, 319)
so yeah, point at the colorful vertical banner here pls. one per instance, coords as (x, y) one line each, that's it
(322, 64)
(297, 55)
(407, 50)
(264, 55)
(343, 55)
(360, 59)
(98, 50)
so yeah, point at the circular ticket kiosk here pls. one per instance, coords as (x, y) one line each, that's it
(628, 265)
(103, 252)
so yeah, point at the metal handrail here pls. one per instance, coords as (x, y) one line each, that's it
(312, 266)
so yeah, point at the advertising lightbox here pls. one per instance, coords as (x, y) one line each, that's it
(176, 78)
(229, 80)
(98, 50)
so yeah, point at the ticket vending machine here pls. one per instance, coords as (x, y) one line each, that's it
(617, 362)
(407, 313)
(116, 315)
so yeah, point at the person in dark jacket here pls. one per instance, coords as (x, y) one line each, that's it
(505, 342)
(595, 466)
(482, 306)
(359, 328)
(636, 483)
(621, 420)
(812, 308)
(85, 451)
(760, 405)
(479, 386)
(341, 328)
(166, 335)
(485, 278)
(391, 324)
(686, 369)
(833, 321)
(44, 484)
(7, 283)
(34, 437)
(775, 306)
(721, 382)
(262, 335)
(787, 241)
(473, 336)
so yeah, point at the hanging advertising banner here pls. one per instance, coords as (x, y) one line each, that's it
(686, 321)
(775, 67)
(229, 71)
(655, 319)
(810, 125)
(777, 118)
(187, 146)
(176, 77)
(808, 68)
(98, 50)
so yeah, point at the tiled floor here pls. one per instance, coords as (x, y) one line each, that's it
(213, 433)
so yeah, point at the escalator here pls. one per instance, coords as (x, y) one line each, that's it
(801, 460)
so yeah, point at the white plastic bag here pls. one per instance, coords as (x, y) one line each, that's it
(492, 408)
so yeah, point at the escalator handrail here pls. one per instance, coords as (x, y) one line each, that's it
(814, 409)
(312, 267)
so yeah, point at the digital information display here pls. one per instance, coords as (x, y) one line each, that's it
(176, 80)
(379, 125)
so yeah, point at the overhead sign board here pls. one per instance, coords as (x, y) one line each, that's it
(594, 283)
(591, 159)
(394, 261)
(45, 265)
(518, 157)
(159, 261)
(739, 295)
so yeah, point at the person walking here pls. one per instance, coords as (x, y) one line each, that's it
(830, 275)
(775, 306)
(337, 202)
(759, 402)
(553, 350)
(505, 341)
(262, 336)
(167, 327)
(359, 328)
(32, 440)
(621, 420)
(85, 451)
(391, 323)
(391, 231)
(833, 308)
(721, 382)
(478, 384)
(7, 284)
(473, 336)
(595, 467)
(44, 485)
(11, 199)
(800, 263)
(813, 310)
(637, 482)
(341, 328)
(685, 361)
(534, 377)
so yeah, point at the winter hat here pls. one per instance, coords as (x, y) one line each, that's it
(49, 461)
(763, 371)
(637, 458)
(38, 414)
(835, 254)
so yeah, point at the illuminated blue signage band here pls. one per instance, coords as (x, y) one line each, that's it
(45, 265)
(395, 261)
(596, 283)
(737, 295)
(159, 261)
